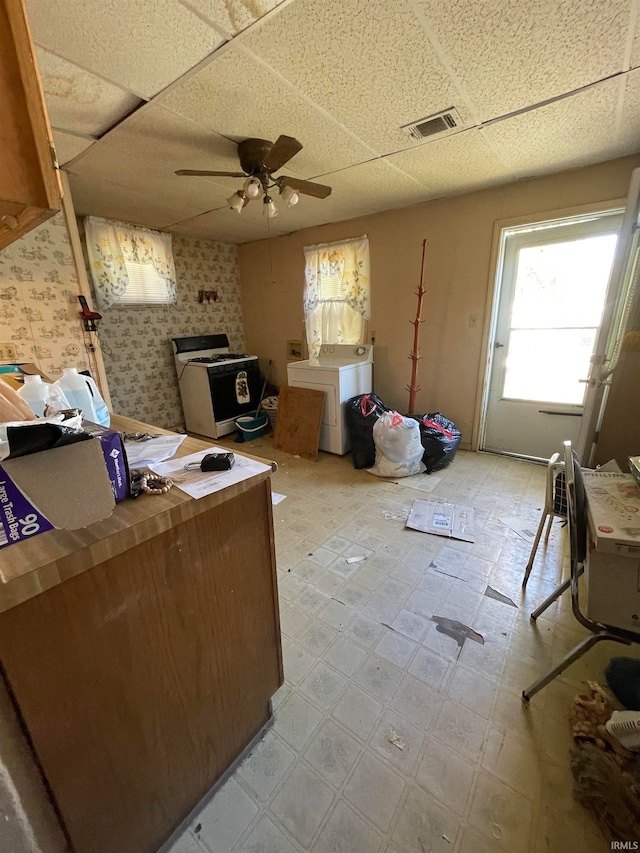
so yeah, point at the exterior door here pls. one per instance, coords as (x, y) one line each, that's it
(625, 278)
(552, 295)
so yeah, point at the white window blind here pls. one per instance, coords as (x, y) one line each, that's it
(145, 286)
(330, 287)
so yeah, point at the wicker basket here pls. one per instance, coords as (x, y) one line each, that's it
(270, 408)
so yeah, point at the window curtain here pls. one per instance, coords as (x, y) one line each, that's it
(111, 244)
(337, 293)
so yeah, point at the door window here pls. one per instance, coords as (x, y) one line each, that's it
(558, 300)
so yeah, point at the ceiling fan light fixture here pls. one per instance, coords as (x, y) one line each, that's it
(236, 201)
(289, 196)
(252, 188)
(269, 207)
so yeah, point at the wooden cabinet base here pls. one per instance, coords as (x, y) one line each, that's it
(142, 679)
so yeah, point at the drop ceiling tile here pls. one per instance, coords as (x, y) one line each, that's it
(568, 133)
(141, 46)
(144, 152)
(69, 146)
(511, 54)
(635, 49)
(238, 96)
(225, 225)
(251, 224)
(369, 65)
(101, 198)
(629, 131)
(462, 162)
(232, 16)
(79, 101)
(378, 185)
(316, 211)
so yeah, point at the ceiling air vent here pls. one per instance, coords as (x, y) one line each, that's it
(443, 122)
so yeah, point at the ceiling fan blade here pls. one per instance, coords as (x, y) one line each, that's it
(205, 172)
(305, 187)
(282, 150)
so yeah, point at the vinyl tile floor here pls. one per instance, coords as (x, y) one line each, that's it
(388, 736)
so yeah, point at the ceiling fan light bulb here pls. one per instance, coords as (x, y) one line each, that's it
(289, 196)
(236, 202)
(270, 209)
(252, 188)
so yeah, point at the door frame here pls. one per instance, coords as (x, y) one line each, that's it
(496, 266)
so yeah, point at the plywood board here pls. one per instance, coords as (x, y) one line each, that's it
(298, 424)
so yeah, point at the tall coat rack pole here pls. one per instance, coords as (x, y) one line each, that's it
(413, 388)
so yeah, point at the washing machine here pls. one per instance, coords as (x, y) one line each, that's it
(342, 372)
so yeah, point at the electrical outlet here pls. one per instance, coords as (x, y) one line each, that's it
(473, 320)
(8, 351)
(72, 349)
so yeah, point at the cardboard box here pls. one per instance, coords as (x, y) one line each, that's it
(115, 458)
(13, 374)
(613, 506)
(613, 587)
(454, 521)
(65, 488)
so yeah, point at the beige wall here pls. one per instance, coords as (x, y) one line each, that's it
(459, 231)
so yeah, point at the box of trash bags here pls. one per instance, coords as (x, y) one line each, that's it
(57, 472)
(389, 444)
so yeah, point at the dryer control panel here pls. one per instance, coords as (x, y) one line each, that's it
(337, 354)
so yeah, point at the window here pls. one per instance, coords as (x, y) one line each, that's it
(129, 265)
(336, 294)
(145, 286)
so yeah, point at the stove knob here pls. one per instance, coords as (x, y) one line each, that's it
(360, 351)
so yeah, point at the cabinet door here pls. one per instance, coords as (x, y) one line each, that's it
(141, 680)
(29, 183)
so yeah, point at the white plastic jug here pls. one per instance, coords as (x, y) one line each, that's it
(82, 393)
(39, 395)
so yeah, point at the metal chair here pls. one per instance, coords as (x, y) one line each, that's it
(555, 506)
(577, 519)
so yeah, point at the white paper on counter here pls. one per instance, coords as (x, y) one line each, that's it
(142, 454)
(198, 483)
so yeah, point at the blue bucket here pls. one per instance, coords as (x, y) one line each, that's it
(250, 427)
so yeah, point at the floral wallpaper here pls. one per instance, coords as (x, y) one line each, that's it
(39, 309)
(39, 314)
(136, 341)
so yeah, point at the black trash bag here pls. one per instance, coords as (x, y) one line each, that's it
(362, 413)
(35, 437)
(440, 438)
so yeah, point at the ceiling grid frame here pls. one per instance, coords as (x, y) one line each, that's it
(624, 140)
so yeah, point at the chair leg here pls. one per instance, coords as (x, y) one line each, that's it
(534, 548)
(582, 647)
(546, 535)
(549, 601)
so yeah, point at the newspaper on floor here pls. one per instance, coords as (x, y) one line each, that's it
(454, 521)
(198, 483)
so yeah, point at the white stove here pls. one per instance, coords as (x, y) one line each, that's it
(216, 386)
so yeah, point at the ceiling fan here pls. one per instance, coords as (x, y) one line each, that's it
(259, 159)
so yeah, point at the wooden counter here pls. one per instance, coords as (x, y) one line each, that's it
(29, 567)
(142, 654)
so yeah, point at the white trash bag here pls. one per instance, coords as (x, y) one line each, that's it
(398, 446)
